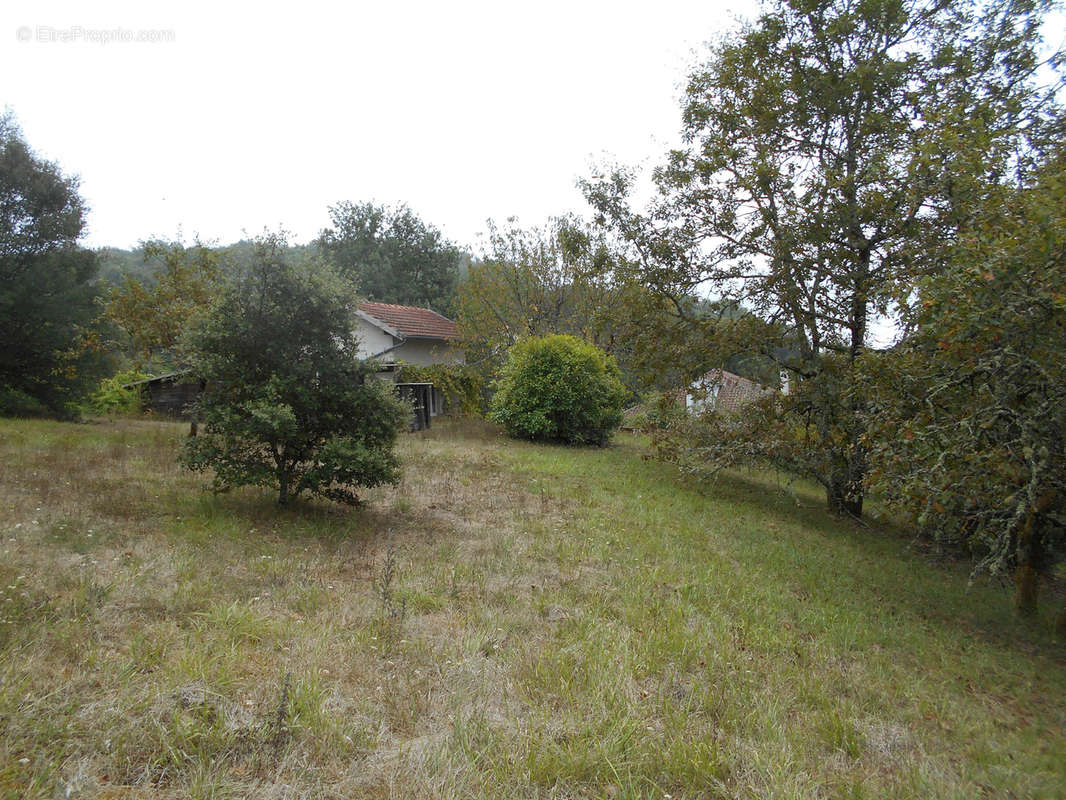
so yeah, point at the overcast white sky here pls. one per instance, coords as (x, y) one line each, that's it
(264, 114)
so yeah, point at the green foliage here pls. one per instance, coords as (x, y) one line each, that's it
(559, 388)
(241, 255)
(153, 314)
(972, 407)
(112, 396)
(551, 279)
(828, 147)
(392, 255)
(16, 403)
(288, 403)
(463, 386)
(528, 282)
(49, 353)
(117, 265)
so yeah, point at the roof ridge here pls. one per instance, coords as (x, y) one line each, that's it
(416, 321)
(398, 305)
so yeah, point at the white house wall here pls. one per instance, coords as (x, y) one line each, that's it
(701, 396)
(372, 340)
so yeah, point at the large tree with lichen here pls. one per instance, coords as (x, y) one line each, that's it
(969, 434)
(832, 149)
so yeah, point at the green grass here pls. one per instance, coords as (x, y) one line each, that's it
(561, 623)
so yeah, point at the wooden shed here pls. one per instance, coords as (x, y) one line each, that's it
(169, 395)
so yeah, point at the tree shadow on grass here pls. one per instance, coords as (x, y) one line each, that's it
(880, 560)
(257, 510)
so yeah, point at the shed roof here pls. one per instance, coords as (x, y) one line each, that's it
(181, 373)
(411, 321)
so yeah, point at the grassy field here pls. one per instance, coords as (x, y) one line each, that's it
(511, 621)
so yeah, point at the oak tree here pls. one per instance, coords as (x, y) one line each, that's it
(550, 279)
(392, 255)
(153, 313)
(288, 403)
(527, 282)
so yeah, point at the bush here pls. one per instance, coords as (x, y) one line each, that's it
(289, 404)
(657, 412)
(111, 396)
(561, 389)
(16, 403)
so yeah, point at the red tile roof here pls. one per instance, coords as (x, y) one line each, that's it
(733, 390)
(411, 321)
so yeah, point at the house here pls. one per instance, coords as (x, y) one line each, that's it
(395, 335)
(722, 391)
(390, 334)
(717, 390)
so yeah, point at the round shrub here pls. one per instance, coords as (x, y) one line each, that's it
(559, 389)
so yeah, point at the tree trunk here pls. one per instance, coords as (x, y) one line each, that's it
(840, 502)
(283, 488)
(194, 419)
(844, 494)
(1027, 572)
(844, 483)
(1025, 586)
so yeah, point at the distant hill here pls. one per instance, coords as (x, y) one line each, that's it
(116, 263)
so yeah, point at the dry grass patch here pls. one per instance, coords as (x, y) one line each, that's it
(509, 621)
